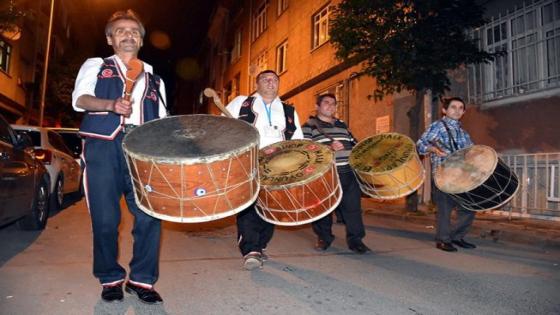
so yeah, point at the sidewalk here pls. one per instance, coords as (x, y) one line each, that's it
(534, 232)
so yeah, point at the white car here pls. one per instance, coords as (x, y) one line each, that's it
(72, 139)
(64, 171)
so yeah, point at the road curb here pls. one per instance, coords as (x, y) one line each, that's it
(544, 235)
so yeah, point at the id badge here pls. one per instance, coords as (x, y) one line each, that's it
(272, 131)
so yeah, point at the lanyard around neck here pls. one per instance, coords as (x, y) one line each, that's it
(268, 110)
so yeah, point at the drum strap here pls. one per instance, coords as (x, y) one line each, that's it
(316, 123)
(156, 80)
(452, 141)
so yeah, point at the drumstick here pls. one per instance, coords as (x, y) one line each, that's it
(133, 70)
(208, 92)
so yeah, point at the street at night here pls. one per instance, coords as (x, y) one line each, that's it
(279, 157)
(201, 272)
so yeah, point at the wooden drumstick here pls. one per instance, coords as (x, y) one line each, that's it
(134, 68)
(208, 92)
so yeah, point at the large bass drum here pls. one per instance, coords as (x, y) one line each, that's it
(387, 166)
(193, 168)
(299, 182)
(476, 178)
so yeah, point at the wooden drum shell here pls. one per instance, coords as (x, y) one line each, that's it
(196, 189)
(387, 166)
(299, 182)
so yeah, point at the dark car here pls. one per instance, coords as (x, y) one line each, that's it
(24, 182)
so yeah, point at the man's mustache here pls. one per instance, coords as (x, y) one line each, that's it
(128, 40)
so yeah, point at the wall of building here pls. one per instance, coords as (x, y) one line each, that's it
(528, 127)
(518, 127)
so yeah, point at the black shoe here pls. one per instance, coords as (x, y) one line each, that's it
(111, 293)
(148, 296)
(321, 245)
(359, 248)
(448, 247)
(464, 244)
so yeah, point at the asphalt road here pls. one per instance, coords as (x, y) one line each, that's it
(49, 272)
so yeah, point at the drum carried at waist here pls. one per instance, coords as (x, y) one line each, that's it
(387, 166)
(299, 182)
(193, 168)
(476, 178)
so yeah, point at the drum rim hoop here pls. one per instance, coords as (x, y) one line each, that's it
(339, 194)
(307, 180)
(191, 160)
(214, 217)
(312, 178)
(211, 158)
(414, 153)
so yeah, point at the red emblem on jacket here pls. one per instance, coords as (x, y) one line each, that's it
(152, 96)
(107, 73)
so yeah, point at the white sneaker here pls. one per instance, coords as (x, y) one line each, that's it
(252, 261)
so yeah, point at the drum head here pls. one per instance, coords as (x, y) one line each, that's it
(293, 162)
(180, 139)
(382, 153)
(466, 169)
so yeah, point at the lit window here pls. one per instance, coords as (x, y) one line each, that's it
(236, 50)
(531, 38)
(321, 27)
(5, 52)
(282, 6)
(259, 20)
(281, 56)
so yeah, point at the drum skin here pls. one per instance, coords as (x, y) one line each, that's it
(193, 168)
(299, 182)
(476, 178)
(387, 166)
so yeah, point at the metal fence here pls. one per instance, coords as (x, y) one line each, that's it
(539, 177)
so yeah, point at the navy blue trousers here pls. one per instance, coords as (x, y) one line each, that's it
(106, 180)
(351, 210)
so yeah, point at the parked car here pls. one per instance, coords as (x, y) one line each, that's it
(72, 139)
(24, 182)
(49, 148)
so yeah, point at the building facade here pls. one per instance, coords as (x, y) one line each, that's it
(292, 38)
(513, 103)
(22, 57)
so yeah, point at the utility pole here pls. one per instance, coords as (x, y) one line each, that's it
(46, 66)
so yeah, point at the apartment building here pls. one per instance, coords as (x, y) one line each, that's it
(22, 57)
(292, 38)
(513, 103)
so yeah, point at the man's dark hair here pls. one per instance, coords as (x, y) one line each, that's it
(447, 101)
(322, 96)
(265, 72)
(124, 15)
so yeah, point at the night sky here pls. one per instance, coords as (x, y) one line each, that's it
(178, 27)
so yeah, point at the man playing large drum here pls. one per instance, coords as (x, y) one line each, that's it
(442, 138)
(109, 114)
(326, 129)
(275, 121)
